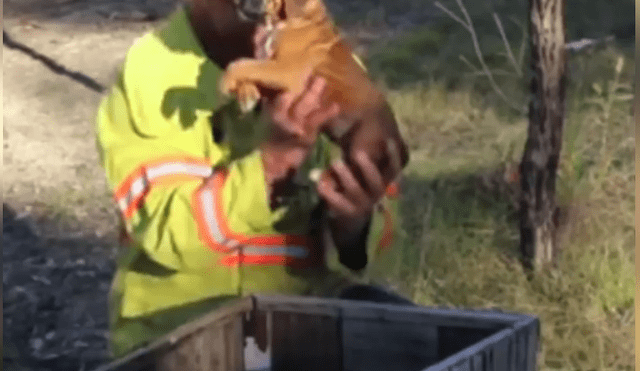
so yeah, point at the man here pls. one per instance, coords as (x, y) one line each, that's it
(213, 208)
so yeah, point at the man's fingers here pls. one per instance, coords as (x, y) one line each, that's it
(320, 117)
(374, 179)
(282, 117)
(282, 107)
(310, 100)
(394, 155)
(337, 203)
(352, 187)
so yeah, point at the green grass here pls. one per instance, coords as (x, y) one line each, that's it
(460, 223)
(432, 52)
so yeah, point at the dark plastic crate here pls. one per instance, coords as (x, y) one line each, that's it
(300, 333)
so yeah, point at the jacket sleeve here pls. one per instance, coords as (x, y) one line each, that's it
(178, 193)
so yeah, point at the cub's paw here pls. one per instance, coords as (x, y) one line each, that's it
(248, 97)
(230, 82)
(228, 85)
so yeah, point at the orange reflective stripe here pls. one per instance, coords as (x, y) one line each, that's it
(218, 184)
(244, 249)
(235, 260)
(166, 170)
(387, 231)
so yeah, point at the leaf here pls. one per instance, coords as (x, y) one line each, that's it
(623, 86)
(619, 65)
(597, 88)
(624, 97)
(598, 101)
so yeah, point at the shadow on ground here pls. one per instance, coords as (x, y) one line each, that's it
(87, 11)
(453, 203)
(54, 299)
(83, 79)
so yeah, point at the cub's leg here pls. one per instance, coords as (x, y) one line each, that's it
(276, 75)
(248, 96)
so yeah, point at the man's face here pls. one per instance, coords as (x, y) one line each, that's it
(245, 11)
(223, 28)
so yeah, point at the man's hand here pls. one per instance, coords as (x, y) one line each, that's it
(299, 119)
(296, 122)
(351, 202)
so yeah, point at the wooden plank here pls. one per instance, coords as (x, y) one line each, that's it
(180, 357)
(149, 357)
(234, 344)
(307, 342)
(382, 345)
(211, 349)
(214, 348)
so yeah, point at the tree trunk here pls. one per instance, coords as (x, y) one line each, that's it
(546, 118)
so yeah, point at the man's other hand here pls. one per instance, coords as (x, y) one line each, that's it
(350, 201)
(296, 122)
(298, 119)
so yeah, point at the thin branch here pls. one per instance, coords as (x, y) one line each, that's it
(468, 63)
(494, 72)
(523, 44)
(523, 47)
(476, 46)
(506, 44)
(452, 15)
(576, 46)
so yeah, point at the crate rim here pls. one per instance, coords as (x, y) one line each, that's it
(266, 301)
(329, 306)
(493, 339)
(234, 307)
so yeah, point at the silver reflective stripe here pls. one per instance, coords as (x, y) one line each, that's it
(209, 204)
(178, 168)
(298, 252)
(136, 189)
(171, 168)
(122, 204)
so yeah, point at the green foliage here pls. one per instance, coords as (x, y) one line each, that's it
(461, 226)
(459, 214)
(433, 52)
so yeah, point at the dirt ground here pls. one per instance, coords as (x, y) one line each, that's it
(58, 219)
(59, 223)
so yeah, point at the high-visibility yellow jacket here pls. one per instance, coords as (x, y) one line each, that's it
(189, 183)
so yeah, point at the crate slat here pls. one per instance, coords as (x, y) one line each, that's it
(213, 348)
(378, 345)
(305, 342)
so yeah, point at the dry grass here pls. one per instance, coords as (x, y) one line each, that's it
(460, 221)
